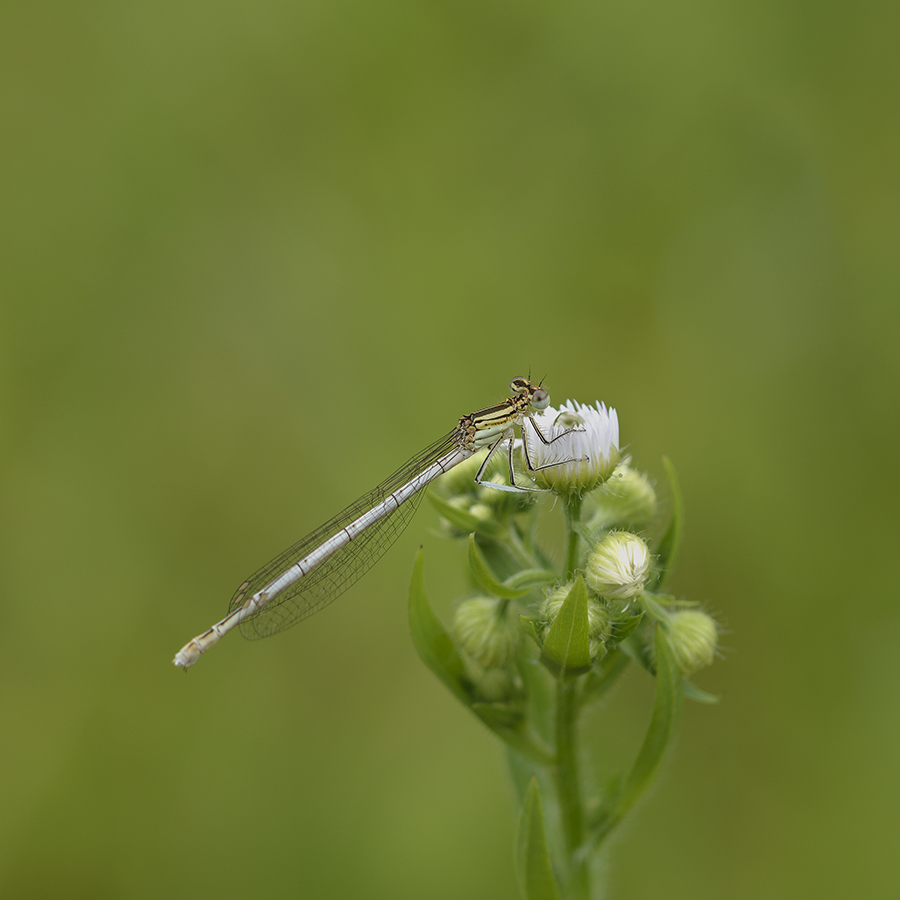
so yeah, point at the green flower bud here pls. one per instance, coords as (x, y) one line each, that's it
(486, 632)
(498, 686)
(460, 480)
(449, 527)
(692, 637)
(598, 617)
(627, 500)
(617, 567)
(481, 511)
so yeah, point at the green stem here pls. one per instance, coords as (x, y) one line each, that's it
(512, 543)
(654, 608)
(569, 790)
(573, 517)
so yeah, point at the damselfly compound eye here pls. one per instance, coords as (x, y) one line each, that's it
(518, 385)
(540, 399)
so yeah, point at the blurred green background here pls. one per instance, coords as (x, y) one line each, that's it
(254, 255)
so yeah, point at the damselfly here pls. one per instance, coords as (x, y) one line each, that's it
(320, 567)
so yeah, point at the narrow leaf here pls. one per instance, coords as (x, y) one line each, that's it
(540, 691)
(463, 519)
(435, 646)
(667, 551)
(535, 870)
(692, 692)
(439, 653)
(659, 735)
(499, 715)
(530, 625)
(567, 647)
(485, 578)
(515, 736)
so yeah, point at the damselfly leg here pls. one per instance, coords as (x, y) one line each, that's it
(510, 438)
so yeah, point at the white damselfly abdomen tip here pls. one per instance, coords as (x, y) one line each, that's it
(187, 655)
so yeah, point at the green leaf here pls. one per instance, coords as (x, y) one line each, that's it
(499, 715)
(692, 692)
(463, 519)
(485, 579)
(667, 551)
(567, 647)
(666, 712)
(515, 736)
(535, 870)
(539, 695)
(530, 624)
(435, 646)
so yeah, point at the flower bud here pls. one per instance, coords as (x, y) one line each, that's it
(627, 500)
(617, 567)
(486, 632)
(460, 480)
(692, 638)
(498, 686)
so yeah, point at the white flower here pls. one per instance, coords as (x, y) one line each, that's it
(618, 565)
(584, 451)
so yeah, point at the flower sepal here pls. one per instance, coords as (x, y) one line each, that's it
(621, 629)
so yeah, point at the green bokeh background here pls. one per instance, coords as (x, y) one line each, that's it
(254, 255)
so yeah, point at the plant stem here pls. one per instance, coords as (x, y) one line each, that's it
(573, 517)
(569, 790)
(517, 549)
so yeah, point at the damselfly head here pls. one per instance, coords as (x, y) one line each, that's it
(537, 396)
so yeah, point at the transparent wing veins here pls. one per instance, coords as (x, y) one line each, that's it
(347, 565)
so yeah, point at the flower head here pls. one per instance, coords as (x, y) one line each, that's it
(580, 449)
(617, 567)
(486, 632)
(692, 636)
(627, 500)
